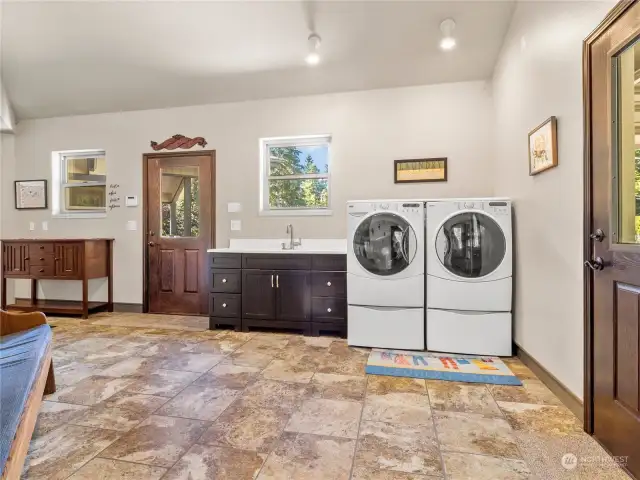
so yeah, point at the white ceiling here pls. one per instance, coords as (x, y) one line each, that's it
(88, 57)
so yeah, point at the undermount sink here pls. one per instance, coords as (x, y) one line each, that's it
(274, 245)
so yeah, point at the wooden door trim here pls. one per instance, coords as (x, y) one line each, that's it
(616, 12)
(146, 157)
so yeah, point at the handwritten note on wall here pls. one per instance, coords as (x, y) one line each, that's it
(114, 197)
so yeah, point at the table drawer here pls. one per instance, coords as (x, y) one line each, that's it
(41, 271)
(226, 281)
(42, 259)
(328, 309)
(224, 305)
(328, 284)
(40, 248)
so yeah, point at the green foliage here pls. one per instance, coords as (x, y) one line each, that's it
(180, 206)
(294, 193)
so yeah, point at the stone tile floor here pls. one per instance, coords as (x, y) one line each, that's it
(149, 397)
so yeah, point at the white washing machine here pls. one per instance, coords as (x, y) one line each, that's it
(385, 274)
(469, 276)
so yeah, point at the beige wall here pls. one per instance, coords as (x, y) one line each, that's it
(539, 74)
(369, 130)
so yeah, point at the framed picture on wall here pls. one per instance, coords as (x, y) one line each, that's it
(31, 194)
(543, 147)
(420, 170)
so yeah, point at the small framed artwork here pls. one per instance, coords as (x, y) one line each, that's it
(31, 194)
(420, 170)
(543, 147)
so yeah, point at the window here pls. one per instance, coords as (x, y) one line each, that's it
(295, 175)
(80, 184)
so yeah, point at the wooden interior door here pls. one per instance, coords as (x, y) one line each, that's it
(612, 98)
(179, 209)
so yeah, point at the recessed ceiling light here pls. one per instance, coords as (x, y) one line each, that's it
(313, 57)
(446, 27)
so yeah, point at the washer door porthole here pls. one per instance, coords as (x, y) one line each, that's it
(385, 244)
(470, 245)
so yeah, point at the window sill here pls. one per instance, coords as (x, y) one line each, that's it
(78, 215)
(295, 213)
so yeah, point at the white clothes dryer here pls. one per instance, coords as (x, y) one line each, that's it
(385, 274)
(469, 276)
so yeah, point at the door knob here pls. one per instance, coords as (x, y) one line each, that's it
(328, 284)
(224, 305)
(598, 235)
(595, 265)
(329, 310)
(224, 280)
(152, 244)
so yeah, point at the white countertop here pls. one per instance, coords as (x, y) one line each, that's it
(316, 246)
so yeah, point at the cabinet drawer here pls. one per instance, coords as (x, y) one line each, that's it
(328, 284)
(328, 309)
(40, 248)
(285, 261)
(336, 263)
(226, 281)
(225, 260)
(222, 305)
(41, 271)
(46, 259)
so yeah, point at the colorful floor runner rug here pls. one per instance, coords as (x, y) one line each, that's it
(438, 366)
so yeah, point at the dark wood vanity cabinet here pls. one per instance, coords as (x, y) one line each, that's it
(279, 291)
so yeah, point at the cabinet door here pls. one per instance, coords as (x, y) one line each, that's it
(15, 259)
(68, 260)
(292, 298)
(258, 294)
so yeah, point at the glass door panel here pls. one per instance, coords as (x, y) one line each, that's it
(626, 145)
(180, 201)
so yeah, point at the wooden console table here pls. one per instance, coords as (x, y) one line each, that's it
(58, 259)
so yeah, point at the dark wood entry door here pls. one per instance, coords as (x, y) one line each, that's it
(179, 210)
(612, 224)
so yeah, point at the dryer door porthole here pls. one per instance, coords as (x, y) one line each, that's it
(470, 245)
(385, 244)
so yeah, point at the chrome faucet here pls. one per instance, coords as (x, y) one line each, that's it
(292, 243)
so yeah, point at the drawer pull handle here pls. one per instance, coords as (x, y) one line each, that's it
(224, 280)
(42, 270)
(224, 305)
(329, 310)
(41, 258)
(41, 247)
(328, 284)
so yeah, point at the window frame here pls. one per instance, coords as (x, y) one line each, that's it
(295, 141)
(60, 185)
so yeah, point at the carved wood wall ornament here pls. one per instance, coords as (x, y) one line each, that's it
(179, 141)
